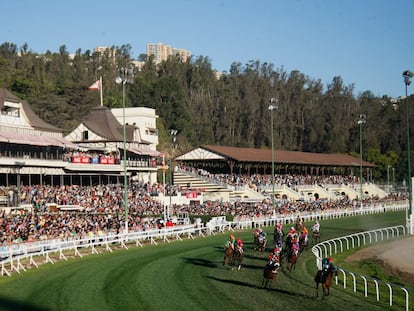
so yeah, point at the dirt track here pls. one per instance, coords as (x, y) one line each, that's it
(396, 257)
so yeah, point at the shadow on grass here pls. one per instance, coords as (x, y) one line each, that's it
(8, 304)
(238, 283)
(203, 262)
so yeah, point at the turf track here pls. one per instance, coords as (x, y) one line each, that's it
(185, 275)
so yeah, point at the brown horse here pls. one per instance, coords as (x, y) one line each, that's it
(316, 237)
(269, 274)
(292, 258)
(303, 243)
(237, 259)
(228, 255)
(325, 279)
(299, 225)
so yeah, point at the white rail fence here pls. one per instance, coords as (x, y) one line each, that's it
(11, 257)
(290, 219)
(338, 245)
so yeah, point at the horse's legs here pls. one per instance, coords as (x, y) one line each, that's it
(317, 289)
(325, 290)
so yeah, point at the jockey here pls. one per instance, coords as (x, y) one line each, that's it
(299, 221)
(304, 234)
(278, 244)
(230, 241)
(316, 227)
(239, 245)
(292, 233)
(279, 227)
(274, 257)
(273, 261)
(262, 233)
(256, 233)
(328, 265)
(276, 252)
(295, 246)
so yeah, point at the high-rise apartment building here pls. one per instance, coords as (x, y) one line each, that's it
(161, 52)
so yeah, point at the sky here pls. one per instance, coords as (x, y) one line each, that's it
(368, 43)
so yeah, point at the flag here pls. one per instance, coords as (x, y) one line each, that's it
(96, 86)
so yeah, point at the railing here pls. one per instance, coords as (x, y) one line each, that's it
(337, 245)
(291, 218)
(11, 257)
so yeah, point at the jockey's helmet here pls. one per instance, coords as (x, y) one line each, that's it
(330, 259)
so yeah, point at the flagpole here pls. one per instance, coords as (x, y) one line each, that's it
(101, 90)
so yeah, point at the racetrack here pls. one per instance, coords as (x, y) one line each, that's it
(397, 258)
(184, 275)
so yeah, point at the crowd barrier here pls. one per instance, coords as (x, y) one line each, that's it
(308, 217)
(13, 256)
(338, 245)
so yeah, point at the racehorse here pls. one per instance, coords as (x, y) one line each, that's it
(303, 243)
(278, 237)
(228, 255)
(269, 274)
(316, 237)
(288, 245)
(237, 259)
(299, 225)
(260, 242)
(292, 258)
(325, 278)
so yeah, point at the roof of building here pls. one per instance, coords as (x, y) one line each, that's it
(14, 138)
(252, 155)
(101, 121)
(35, 121)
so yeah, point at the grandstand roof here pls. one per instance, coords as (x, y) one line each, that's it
(252, 155)
(35, 121)
(102, 122)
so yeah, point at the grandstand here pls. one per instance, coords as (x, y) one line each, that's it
(213, 189)
(200, 167)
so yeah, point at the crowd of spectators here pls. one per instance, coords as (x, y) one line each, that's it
(261, 182)
(103, 213)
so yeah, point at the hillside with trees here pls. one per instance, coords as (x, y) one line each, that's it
(207, 107)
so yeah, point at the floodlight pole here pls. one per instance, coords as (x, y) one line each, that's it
(272, 106)
(407, 75)
(173, 134)
(361, 121)
(126, 76)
